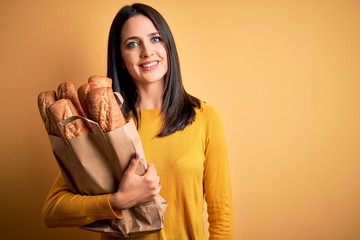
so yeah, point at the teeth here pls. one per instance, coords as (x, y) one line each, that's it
(149, 65)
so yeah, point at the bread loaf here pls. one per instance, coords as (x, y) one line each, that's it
(67, 90)
(93, 82)
(45, 100)
(63, 109)
(104, 109)
(82, 92)
(94, 100)
(100, 81)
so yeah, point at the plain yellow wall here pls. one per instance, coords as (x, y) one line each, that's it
(284, 75)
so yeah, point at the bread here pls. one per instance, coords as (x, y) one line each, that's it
(45, 100)
(63, 109)
(67, 90)
(94, 100)
(104, 109)
(100, 81)
(82, 92)
(93, 82)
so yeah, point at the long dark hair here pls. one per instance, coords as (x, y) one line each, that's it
(178, 107)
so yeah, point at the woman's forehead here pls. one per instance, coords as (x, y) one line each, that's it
(137, 26)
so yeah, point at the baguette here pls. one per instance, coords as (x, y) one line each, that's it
(93, 82)
(100, 81)
(66, 90)
(45, 100)
(82, 92)
(104, 109)
(63, 109)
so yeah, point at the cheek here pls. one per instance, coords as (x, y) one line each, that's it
(125, 57)
(127, 60)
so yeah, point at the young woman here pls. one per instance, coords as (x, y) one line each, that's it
(183, 139)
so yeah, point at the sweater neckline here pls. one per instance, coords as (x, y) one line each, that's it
(154, 111)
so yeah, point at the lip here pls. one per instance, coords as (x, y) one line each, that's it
(149, 65)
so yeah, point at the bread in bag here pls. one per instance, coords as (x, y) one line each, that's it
(67, 90)
(82, 92)
(104, 109)
(63, 109)
(45, 100)
(100, 81)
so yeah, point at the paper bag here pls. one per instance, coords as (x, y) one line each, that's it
(94, 163)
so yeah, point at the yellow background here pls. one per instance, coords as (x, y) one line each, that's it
(284, 75)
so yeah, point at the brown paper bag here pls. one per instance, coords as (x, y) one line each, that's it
(94, 163)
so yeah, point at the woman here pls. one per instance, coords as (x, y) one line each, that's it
(183, 139)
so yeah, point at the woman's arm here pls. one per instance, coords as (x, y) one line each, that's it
(64, 208)
(217, 180)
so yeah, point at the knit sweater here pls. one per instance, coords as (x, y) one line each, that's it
(192, 165)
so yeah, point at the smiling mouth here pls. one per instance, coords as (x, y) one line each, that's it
(149, 65)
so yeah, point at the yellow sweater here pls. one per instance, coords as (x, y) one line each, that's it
(192, 165)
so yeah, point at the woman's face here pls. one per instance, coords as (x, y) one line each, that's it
(143, 51)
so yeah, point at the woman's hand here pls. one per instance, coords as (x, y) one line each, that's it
(135, 189)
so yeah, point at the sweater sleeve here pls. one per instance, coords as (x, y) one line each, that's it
(63, 208)
(217, 178)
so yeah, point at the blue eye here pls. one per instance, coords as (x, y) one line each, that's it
(132, 44)
(156, 39)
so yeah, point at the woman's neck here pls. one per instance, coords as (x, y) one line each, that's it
(150, 96)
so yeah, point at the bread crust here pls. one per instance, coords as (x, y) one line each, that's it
(45, 100)
(63, 109)
(83, 92)
(104, 109)
(67, 90)
(100, 81)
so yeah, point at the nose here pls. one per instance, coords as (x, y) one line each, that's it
(147, 50)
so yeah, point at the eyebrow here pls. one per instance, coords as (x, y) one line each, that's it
(134, 37)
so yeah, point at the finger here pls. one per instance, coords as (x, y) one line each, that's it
(151, 176)
(133, 164)
(151, 170)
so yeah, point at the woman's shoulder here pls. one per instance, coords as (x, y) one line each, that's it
(207, 111)
(209, 119)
